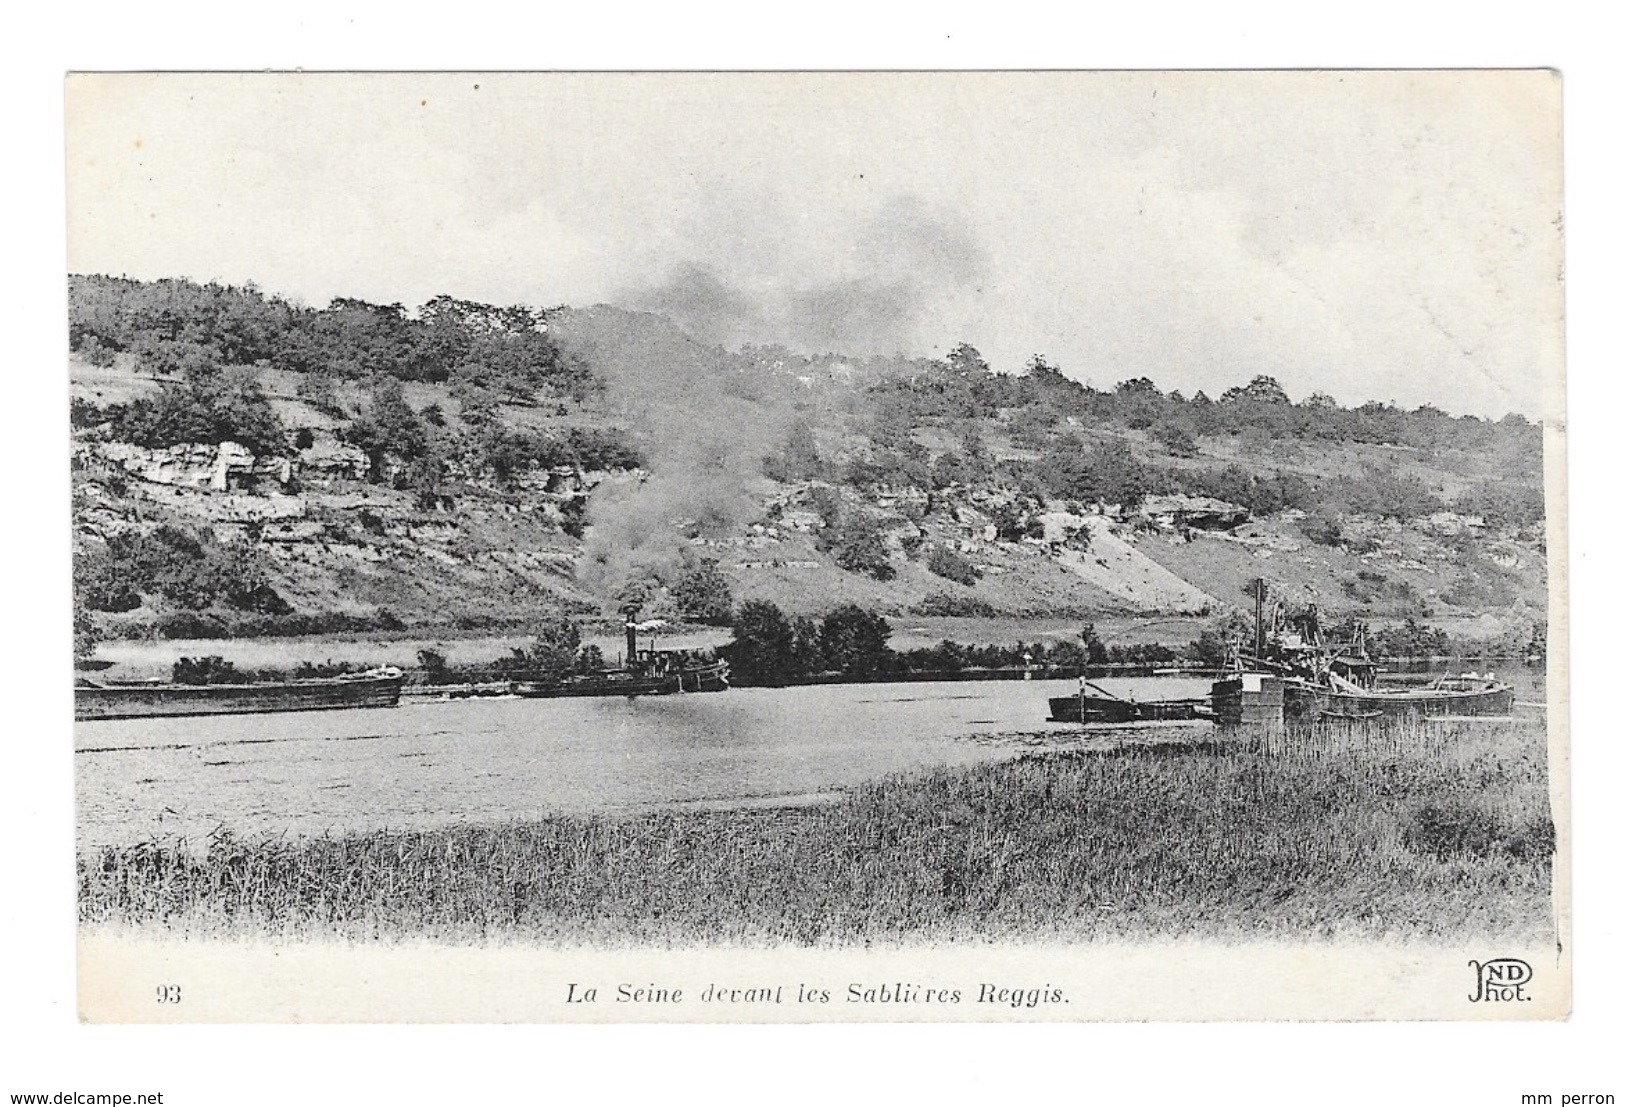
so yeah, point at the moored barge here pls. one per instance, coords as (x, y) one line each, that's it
(130, 700)
(1093, 704)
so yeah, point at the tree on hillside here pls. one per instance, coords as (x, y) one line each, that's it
(208, 406)
(702, 593)
(601, 448)
(388, 428)
(1504, 503)
(975, 448)
(1261, 389)
(823, 499)
(1322, 528)
(1137, 403)
(1106, 472)
(951, 565)
(1045, 381)
(950, 468)
(423, 478)
(475, 403)
(905, 465)
(1041, 372)
(1177, 435)
(892, 420)
(1016, 519)
(175, 358)
(857, 545)
(797, 459)
(1394, 495)
(507, 453)
(634, 595)
(172, 326)
(977, 392)
(1138, 386)
(966, 360)
(319, 389)
(189, 569)
(100, 583)
(958, 387)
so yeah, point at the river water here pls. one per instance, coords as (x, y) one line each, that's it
(425, 765)
(486, 760)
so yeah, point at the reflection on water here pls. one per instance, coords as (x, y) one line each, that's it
(492, 760)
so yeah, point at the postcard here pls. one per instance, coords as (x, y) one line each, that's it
(819, 547)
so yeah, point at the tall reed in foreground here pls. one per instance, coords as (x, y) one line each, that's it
(1435, 830)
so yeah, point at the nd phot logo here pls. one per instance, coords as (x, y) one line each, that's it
(1501, 980)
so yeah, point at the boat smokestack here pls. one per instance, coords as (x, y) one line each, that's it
(631, 641)
(1259, 590)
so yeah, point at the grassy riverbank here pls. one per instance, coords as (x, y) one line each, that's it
(1433, 831)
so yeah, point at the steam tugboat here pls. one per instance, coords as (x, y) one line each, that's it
(647, 672)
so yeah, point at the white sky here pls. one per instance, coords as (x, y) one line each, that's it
(1377, 236)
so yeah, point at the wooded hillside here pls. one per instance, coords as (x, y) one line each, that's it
(246, 465)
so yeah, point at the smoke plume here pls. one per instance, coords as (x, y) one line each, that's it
(705, 418)
(874, 286)
(749, 273)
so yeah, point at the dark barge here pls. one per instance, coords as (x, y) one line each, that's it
(130, 700)
(1094, 704)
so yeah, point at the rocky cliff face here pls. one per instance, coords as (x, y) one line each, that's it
(334, 544)
(338, 549)
(342, 551)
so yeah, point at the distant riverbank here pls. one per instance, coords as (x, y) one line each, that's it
(145, 658)
(140, 659)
